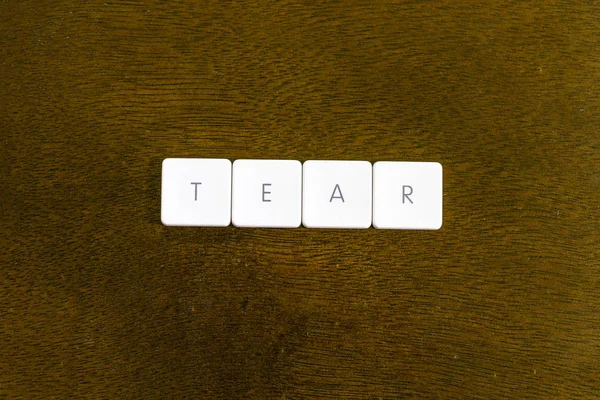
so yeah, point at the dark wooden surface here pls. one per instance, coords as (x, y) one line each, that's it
(99, 300)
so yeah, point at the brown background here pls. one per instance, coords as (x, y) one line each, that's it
(98, 299)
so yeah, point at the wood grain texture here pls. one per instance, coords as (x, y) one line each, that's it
(99, 300)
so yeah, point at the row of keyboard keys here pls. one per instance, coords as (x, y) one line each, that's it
(286, 193)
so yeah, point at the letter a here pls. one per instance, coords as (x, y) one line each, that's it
(333, 196)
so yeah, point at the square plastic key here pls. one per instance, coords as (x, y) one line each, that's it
(407, 195)
(267, 193)
(337, 194)
(196, 192)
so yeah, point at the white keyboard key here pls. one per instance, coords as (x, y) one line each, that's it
(337, 194)
(196, 192)
(267, 193)
(407, 195)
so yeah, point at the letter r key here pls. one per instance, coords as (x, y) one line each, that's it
(407, 195)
